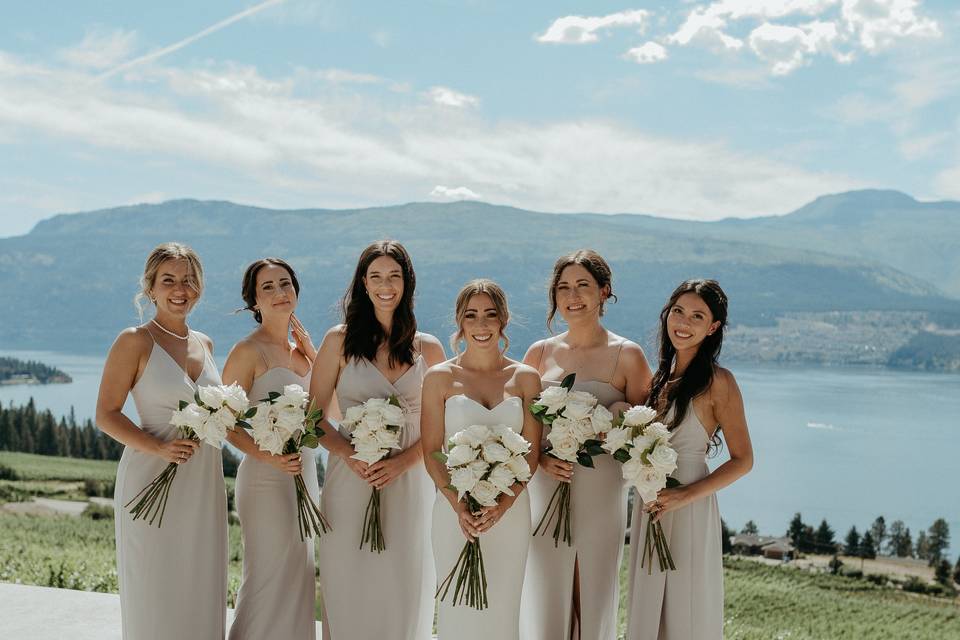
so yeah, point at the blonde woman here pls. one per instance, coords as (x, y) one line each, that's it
(173, 579)
(480, 386)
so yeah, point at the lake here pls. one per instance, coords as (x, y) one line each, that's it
(842, 444)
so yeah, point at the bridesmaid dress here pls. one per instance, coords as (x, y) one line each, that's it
(173, 579)
(598, 499)
(277, 597)
(504, 546)
(688, 602)
(387, 595)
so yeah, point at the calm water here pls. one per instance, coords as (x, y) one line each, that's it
(842, 444)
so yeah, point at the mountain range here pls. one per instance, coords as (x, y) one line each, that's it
(68, 284)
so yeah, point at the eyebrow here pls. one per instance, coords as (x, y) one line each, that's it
(487, 309)
(578, 281)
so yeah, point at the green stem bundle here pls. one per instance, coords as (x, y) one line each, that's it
(372, 529)
(310, 518)
(655, 541)
(558, 508)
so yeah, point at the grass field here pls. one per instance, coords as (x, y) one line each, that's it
(761, 601)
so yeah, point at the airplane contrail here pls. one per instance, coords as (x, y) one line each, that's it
(153, 55)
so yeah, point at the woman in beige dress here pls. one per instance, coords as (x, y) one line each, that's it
(277, 597)
(173, 578)
(480, 386)
(572, 591)
(377, 352)
(696, 398)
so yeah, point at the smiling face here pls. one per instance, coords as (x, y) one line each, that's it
(481, 325)
(689, 322)
(384, 283)
(578, 295)
(276, 294)
(175, 289)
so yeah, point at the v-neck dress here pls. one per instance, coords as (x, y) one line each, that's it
(173, 578)
(368, 594)
(277, 597)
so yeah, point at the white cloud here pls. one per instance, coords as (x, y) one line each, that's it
(917, 147)
(583, 29)
(739, 9)
(256, 130)
(705, 27)
(101, 49)
(647, 53)
(451, 193)
(788, 48)
(878, 24)
(450, 98)
(342, 76)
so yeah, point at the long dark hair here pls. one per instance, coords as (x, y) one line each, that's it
(699, 373)
(249, 287)
(364, 333)
(590, 260)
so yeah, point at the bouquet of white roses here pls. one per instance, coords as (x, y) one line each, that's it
(643, 446)
(483, 462)
(215, 410)
(374, 429)
(283, 423)
(577, 424)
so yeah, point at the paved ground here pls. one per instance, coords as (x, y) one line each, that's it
(43, 613)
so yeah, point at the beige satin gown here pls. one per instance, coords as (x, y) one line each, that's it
(386, 595)
(685, 604)
(598, 499)
(277, 597)
(173, 579)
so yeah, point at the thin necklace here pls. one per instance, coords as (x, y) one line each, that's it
(171, 333)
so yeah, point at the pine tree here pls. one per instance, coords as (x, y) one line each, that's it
(942, 573)
(879, 531)
(868, 549)
(7, 435)
(899, 540)
(956, 571)
(852, 547)
(824, 538)
(725, 534)
(750, 528)
(922, 547)
(795, 530)
(938, 541)
(46, 439)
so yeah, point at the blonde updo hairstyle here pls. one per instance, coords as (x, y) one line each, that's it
(497, 296)
(160, 254)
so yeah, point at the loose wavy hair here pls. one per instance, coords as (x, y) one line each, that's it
(160, 254)
(590, 260)
(497, 296)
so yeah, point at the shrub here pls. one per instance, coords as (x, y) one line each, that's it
(98, 488)
(96, 511)
(8, 473)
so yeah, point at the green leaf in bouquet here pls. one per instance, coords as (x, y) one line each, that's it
(439, 455)
(244, 424)
(309, 440)
(273, 395)
(594, 448)
(673, 483)
(196, 398)
(568, 380)
(585, 460)
(249, 413)
(621, 455)
(183, 404)
(394, 400)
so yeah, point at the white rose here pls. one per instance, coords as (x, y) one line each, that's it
(461, 454)
(649, 482)
(563, 427)
(224, 417)
(270, 441)
(564, 447)
(632, 469)
(553, 398)
(393, 415)
(352, 416)
(372, 421)
(236, 398)
(388, 438)
(601, 419)
(290, 419)
(478, 434)
(583, 430)
(663, 458)
(638, 416)
(502, 478)
(519, 468)
(463, 480)
(485, 493)
(495, 452)
(642, 443)
(211, 396)
(262, 419)
(513, 440)
(190, 416)
(293, 396)
(215, 430)
(658, 430)
(375, 405)
(616, 439)
(577, 411)
(479, 468)
(368, 451)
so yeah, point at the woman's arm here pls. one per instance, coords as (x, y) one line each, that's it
(385, 471)
(636, 372)
(120, 373)
(727, 411)
(241, 368)
(436, 384)
(323, 382)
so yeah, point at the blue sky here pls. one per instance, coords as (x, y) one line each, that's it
(686, 109)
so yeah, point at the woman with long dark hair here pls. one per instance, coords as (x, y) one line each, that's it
(572, 591)
(377, 352)
(277, 596)
(696, 398)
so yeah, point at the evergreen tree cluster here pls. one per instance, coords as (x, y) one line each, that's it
(11, 368)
